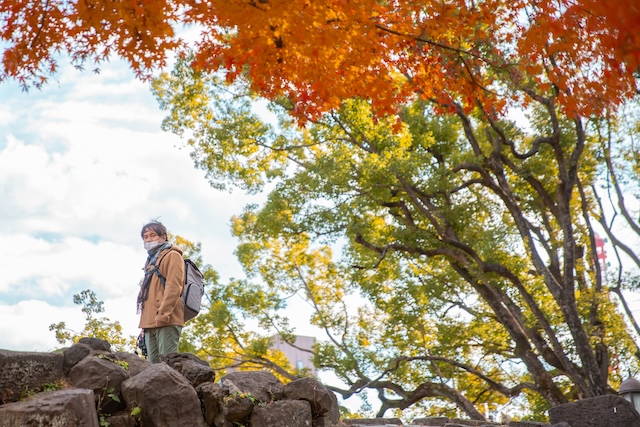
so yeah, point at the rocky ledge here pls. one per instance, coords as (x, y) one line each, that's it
(88, 385)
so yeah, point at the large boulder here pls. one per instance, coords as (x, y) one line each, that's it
(165, 398)
(260, 385)
(104, 377)
(238, 407)
(601, 411)
(212, 396)
(334, 412)
(73, 355)
(96, 344)
(60, 408)
(284, 413)
(22, 372)
(85, 346)
(195, 370)
(313, 391)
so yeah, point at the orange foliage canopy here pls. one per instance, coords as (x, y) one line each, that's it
(469, 52)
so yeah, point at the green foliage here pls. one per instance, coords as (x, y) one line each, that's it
(53, 386)
(241, 157)
(136, 413)
(96, 327)
(244, 395)
(121, 363)
(446, 257)
(106, 392)
(27, 392)
(111, 394)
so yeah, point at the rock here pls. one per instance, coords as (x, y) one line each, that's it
(601, 411)
(334, 412)
(104, 377)
(466, 423)
(165, 398)
(177, 392)
(238, 407)
(284, 413)
(431, 421)
(321, 422)
(59, 408)
(374, 421)
(120, 420)
(311, 390)
(136, 364)
(27, 371)
(261, 385)
(195, 370)
(180, 391)
(96, 344)
(73, 355)
(450, 422)
(527, 424)
(213, 396)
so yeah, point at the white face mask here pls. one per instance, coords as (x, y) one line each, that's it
(150, 245)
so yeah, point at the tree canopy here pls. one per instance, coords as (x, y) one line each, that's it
(493, 52)
(471, 239)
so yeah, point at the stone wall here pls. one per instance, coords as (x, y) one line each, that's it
(88, 385)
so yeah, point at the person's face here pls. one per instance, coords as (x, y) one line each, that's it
(149, 236)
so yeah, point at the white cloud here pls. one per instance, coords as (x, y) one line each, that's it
(6, 115)
(83, 165)
(52, 266)
(25, 325)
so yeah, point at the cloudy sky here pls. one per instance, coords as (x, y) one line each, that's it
(83, 165)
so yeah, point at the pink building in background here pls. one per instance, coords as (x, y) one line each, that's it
(296, 354)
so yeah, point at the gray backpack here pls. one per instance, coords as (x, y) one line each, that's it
(193, 288)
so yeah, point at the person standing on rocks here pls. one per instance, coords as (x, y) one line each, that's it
(159, 304)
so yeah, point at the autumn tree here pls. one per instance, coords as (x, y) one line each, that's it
(448, 207)
(493, 52)
(472, 239)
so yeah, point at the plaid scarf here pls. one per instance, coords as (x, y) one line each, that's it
(143, 294)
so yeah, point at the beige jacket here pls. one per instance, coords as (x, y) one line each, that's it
(164, 307)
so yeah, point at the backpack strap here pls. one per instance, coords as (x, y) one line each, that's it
(156, 268)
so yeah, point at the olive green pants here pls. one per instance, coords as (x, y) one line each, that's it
(161, 341)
